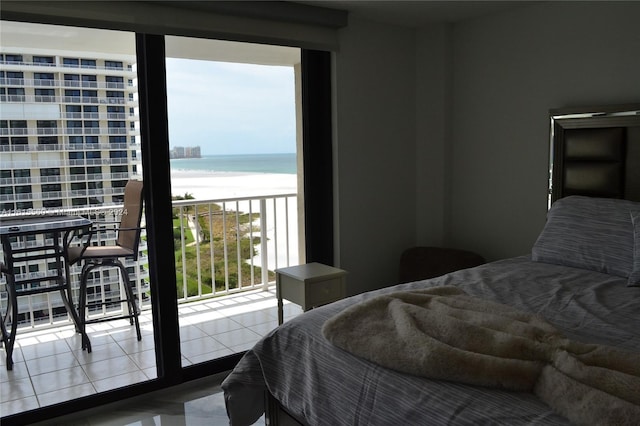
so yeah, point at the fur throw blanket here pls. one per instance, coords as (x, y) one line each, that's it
(443, 333)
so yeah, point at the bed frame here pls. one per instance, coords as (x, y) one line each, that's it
(595, 151)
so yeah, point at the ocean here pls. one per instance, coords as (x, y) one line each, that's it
(250, 163)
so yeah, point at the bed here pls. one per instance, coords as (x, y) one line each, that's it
(581, 281)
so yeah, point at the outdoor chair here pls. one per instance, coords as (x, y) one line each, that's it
(4, 335)
(99, 256)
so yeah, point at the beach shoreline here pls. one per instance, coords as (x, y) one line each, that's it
(210, 185)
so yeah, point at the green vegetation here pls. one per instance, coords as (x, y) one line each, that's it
(214, 232)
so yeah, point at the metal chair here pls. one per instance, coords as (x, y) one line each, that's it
(4, 334)
(97, 256)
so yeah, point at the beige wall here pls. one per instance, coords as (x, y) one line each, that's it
(374, 120)
(509, 70)
(442, 134)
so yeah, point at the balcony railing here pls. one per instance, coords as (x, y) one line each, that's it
(222, 247)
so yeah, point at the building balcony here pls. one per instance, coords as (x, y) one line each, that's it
(89, 100)
(225, 294)
(125, 70)
(91, 177)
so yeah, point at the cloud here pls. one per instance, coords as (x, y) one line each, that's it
(231, 108)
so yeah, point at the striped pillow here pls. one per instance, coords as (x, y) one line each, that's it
(589, 233)
(634, 278)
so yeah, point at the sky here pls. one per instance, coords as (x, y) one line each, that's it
(231, 108)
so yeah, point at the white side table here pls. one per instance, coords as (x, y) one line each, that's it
(309, 285)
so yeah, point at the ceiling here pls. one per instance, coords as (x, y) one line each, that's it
(417, 13)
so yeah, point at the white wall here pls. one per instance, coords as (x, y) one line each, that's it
(450, 122)
(509, 70)
(375, 186)
(433, 134)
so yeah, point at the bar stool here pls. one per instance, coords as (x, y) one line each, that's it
(95, 256)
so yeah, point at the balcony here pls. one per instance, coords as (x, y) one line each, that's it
(226, 303)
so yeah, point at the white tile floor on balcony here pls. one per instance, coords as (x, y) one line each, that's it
(50, 366)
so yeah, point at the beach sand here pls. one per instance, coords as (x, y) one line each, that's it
(212, 186)
(220, 185)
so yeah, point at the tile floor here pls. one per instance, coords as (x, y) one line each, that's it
(195, 403)
(50, 366)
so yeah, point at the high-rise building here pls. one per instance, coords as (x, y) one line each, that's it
(69, 139)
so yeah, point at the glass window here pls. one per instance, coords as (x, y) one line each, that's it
(88, 63)
(91, 139)
(49, 124)
(74, 124)
(13, 58)
(113, 65)
(75, 139)
(24, 205)
(45, 92)
(51, 203)
(71, 80)
(50, 172)
(70, 62)
(22, 173)
(23, 189)
(94, 154)
(43, 75)
(73, 111)
(52, 187)
(47, 140)
(15, 77)
(43, 59)
(20, 140)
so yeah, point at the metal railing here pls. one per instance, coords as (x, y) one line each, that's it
(230, 245)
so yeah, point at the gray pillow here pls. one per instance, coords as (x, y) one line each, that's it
(634, 277)
(589, 233)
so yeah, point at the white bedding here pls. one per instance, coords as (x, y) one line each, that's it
(321, 384)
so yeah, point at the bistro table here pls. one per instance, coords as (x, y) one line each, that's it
(30, 238)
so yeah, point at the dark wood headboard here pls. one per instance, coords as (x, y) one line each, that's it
(595, 151)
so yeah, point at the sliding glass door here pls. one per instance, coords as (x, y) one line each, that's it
(70, 142)
(234, 185)
(85, 110)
